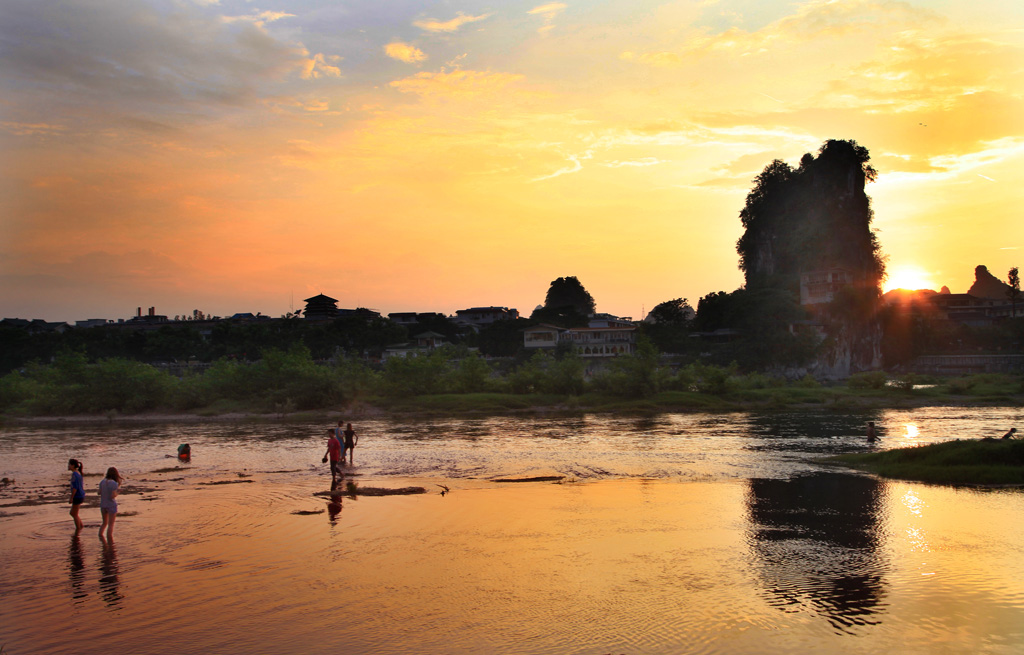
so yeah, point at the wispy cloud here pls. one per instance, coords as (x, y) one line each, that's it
(259, 17)
(453, 25)
(455, 83)
(549, 12)
(575, 167)
(31, 129)
(636, 163)
(406, 52)
(813, 21)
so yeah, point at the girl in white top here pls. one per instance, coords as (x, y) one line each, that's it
(108, 503)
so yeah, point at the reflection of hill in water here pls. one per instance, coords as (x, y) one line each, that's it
(817, 541)
(807, 432)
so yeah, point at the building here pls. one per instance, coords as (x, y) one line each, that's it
(320, 308)
(477, 317)
(603, 337)
(820, 287)
(34, 326)
(413, 318)
(92, 322)
(541, 336)
(422, 344)
(967, 309)
(150, 318)
(960, 308)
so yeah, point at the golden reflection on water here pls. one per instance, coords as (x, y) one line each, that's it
(820, 563)
(910, 434)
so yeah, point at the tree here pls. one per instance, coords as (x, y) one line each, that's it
(1014, 291)
(568, 292)
(673, 312)
(668, 325)
(714, 311)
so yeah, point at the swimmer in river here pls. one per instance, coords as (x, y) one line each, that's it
(871, 431)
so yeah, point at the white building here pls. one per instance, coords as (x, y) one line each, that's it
(603, 337)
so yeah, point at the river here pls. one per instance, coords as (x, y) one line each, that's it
(676, 533)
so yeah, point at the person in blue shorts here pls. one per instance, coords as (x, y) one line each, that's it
(77, 491)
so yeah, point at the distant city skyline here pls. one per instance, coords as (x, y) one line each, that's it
(230, 157)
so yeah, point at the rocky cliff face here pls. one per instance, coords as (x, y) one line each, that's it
(987, 285)
(849, 349)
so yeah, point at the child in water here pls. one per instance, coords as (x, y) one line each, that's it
(77, 491)
(108, 503)
(350, 442)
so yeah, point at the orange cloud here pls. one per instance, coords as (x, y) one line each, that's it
(404, 52)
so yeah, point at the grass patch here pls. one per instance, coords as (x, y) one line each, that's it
(982, 461)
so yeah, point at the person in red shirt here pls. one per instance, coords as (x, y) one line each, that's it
(333, 454)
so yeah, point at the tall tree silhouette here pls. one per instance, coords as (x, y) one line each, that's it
(1014, 291)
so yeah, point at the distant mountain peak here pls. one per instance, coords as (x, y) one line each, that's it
(987, 285)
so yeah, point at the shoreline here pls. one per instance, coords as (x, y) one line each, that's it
(572, 406)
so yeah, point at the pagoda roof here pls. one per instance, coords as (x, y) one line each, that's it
(320, 298)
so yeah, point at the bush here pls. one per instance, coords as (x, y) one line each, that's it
(16, 389)
(123, 385)
(905, 382)
(868, 380)
(710, 379)
(355, 378)
(470, 375)
(808, 382)
(634, 376)
(415, 376)
(960, 385)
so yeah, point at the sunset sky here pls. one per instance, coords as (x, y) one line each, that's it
(234, 156)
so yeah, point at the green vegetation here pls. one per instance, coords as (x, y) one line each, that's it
(455, 380)
(982, 461)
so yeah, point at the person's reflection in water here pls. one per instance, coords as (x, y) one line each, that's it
(110, 581)
(76, 568)
(818, 546)
(334, 506)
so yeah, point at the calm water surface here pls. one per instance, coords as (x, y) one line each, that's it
(673, 534)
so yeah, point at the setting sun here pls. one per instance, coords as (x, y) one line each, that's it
(908, 277)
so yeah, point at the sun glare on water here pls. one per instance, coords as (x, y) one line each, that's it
(908, 277)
